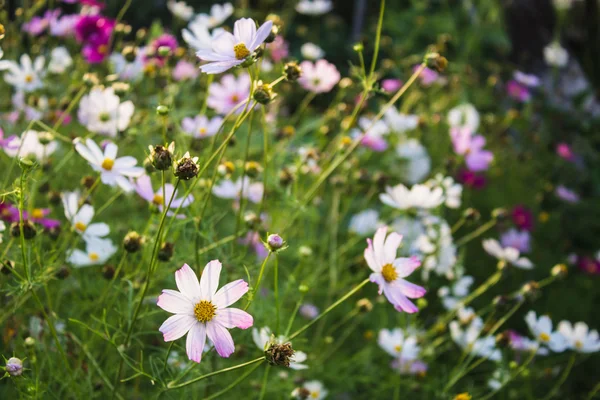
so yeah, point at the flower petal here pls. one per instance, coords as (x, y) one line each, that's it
(405, 266)
(390, 247)
(230, 293)
(234, 318)
(174, 302)
(209, 281)
(176, 326)
(261, 34)
(187, 283)
(194, 345)
(221, 338)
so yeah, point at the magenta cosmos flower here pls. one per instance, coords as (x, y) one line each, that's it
(94, 32)
(471, 147)
(522, 217)
(319, 77)
(200, 310)
(230, 50)
(389, 271)
(518, 91)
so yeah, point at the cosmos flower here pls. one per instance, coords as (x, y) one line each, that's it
(80, 216)
(279, 49)
(541, 329)
(230, 50)
(309, 311)
(318, 77)
(101, 111)
(94, 32)
(229, 93)
(565, 152)
(399, 122)
(198, 36)
(180, 9)
(227, 189)
(418, 196)
(12, 142)
(524, 344)
(201, 127)
(451, 296)
(471, 179)
(522, 217)
(314, 390)
(566, 194)
(528, 80)
(263, 337)
(470, 340)
(389, 272)
(151, 54)
(128, 70)
(218, 14)
(60, 60)
(372, 134)
(555, 55)
(471, 147)
(26, 75)
(97, 252)
(314, 7)
(185, 70)
(518, 91)
(507, 254)
(29, 145)
(519, 240)
(200, 310)
(143, 187)
(37, 25)
(464, 116)
(254, 240)
(409, 367)
(398, 344)
(365, 222)
(113, 171)
(417, 163)
(311, 51)
(391, 85)
(64, 26)
(428, 76)
(579, 337)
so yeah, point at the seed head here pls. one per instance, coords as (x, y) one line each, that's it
(29, 230)
(132, 242)
(7, 267)
(279, 353)
(264, 93)
(161, 157)
(292, 71)
(166, 251)
(186, 167)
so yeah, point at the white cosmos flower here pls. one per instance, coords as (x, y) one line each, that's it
(579, 337)
(398, 344)
(2, 229)
(437, 248)
(399, 122)
(315, 390)
(419, 196)
(29, 145)
(227, 189)
(452, 190)
(230, 50)
(464, 116)
(365, 222)
(198, 36)
(507, 254)
(470, 341)
(180, 9)
(26, 76)
(113, 171)
(311, 51)
(555, 55)
(81, 217)
(101, 111)
(97, 251)
(263, 336)
(314, 7)
(541, 329)
(60, 60)
(451, 296)
(128, 71)
(218, 14)
(418, 162)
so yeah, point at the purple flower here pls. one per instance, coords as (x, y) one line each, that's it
(38, 215)
(565, 152)
(471, 147)
(9, 142)
(94, 32)
(37, 25)
(518, 91)
(309, 311)
(567, 194)
(519, 240)
(528, 80)
(391, 85)
(471, 179)
(64, 26)
(428, 76)
(143, 187)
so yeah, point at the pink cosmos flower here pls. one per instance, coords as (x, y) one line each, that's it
(10, 213)
(565, 152)
(200, 310)
(201, 127)
(252, 239)
(37, 25)
(8, 143)
(64, 26)
(471, 146)
(589, 265)
(519, 240)
(279, 49)
(522, 217)
(567, 194)
(518, 91)
(391, 85)
(224, 96)
(143, 187)
(389, 271)
(319, 77)
(428, 76)
(185, 70)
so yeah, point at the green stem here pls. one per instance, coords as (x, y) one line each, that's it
(221, 371)
(477, 232)
(260, 275)
(562, 378)
(263, 386)
(377, 39)
(276, 291)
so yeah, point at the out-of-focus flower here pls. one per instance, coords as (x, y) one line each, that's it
(29, 145)
(180, 9)
(37, 25)
(391, 85)
(418, 196)
(399, 122)
(451, 296)
(185, 70)
(470, 341)
(94, 32)
(230, 92)
(522, 217)
(279, 49)
(253, 240)
(218, 14)
(428, 76)
(452, 190)
(541, 329)
(389, 272)
(525, 345)
(372, 134)
(309, 311)
(200, 310)
(25, 76)
(464, 116)
(409, 367)
(589, 265)
(314, 390)
(64, 26)
(263, 337)
(198, 36)
(518, 91)
(471, 179)
(516, 239)
(555, 55)
(101, 111)
(311, 51)
(113, 171)
(471, 147)
(398, 344)
(418, 162)
(230, 50)
(128, 70)
(565, 152)
(528, 80)
(159, 199)
(566, 194)
(12, 142)
(506, 254)
(365, 222)
(227, 189)
(314, 7)
(60, 60)
(97, 251)
(80, 216)
(201, 126)
(579, 337)
(318, 77)
(152, 53)
(436, 248)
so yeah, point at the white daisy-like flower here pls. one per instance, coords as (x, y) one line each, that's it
(314, 7)
(452, 190)
(227, 189)
(506, 254)
(26, 75)
(113, 171)
(365, 222)
(230, 50)
(311, 51)
(419, 196)
(470, 341)
(60, 60)
(101, 111)
(541, 329)
(201, 127)
(418, 162)
(29, 145)
(464, 116)
(314, 390)
(81, 217)
(97, 251)
(218, 14)
(437, 248)
(451, 296)
(2, 229)
(198, 36)
(579, 337)
(399, 122)
(555, 55)
(263, 336)
(180, 9)
(398, 344)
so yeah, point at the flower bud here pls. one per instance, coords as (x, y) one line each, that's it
(45, 138)
(14, 366)
(132, 242)
(531, 290)
(162, 110)
(87, 181)
(275, 243)
(91, 79)
(161, 157)
(164, 51)
(436, 61)
(285, 132)
(63, 272)
(471, 215)
(29, 230)
(226, 168)
(305, 251)
(141, 34)
(121, 88)
(186, 168)
(54, 197)
(26, 164)
(7, 267)
(166, 251)
(499, 214)
(252, 169)
(303, 288)
(286, 177)
(130, 53)
(503, 339)
(301, 393)
(279, 354)
(263, 93)
(108, 271)
(559, 270)
(29, 341)
(358, 47)
(292, 71)
(148, 167)
(364, 305)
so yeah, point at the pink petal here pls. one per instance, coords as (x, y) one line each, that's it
(230, 293)
(176, 326)
(174, 302)
(234, 318)
(194, 345)
(209, 281)
(187, 283)
(378, 279)
(221, 338)
(378, 241)
(406, 266)
(409, 289)
(370, 257)
(399, 300)
(391, 247)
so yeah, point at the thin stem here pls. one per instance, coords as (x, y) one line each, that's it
(263, 386)
(276, 291)
(221, 371)
(234, 383)
(377, 39)
(477, 232)
(513, 376)
(562, 378)
(260, 275)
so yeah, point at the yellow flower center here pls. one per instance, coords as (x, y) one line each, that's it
(314, 395)
(37, 213)
(544, 337)
(205, 311)
(108, 164)
(235, 98)
(398, 348)
(103, 49)
(80, 226)
(94, 256)
(462, 396)
(202, 131)
(158, 200)
(578, 344)
(389, 273)
(241, 51)
(28, 78)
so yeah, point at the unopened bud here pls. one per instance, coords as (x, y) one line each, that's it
(45, 138)
(275, 243)
(162, 110)
(436, 61)
(263, 93)
(292, 71)
(364, 305)
(186, 168)
(130, 53)
(164, 51)
(161, 157)
(132, 242)
(166, 251)
(108, 271)
(29, 230)
(14, 366)
(559, 270)
(7, 267)
(252, 169)
(531, 290)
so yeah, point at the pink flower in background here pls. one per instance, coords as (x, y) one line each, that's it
(164, 40)
(389, 272)
(471, 146)
(37, 25)
(589, 265)
(252, 239)
(200, 310)
(522, 217)
(518, 91)
(143, 187)
(309, 311)
(528, 80)
(64, 26)
(391, 85)
(201, 127)
(279, 49)
(428, 76)
(38, 215)
(94, 32)
(9, 213)
(319, 77)
(185, 70)
(8, 143)
(519, 240)
(567, 194)
(230, 92)
(472, 179)
(565, 152)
